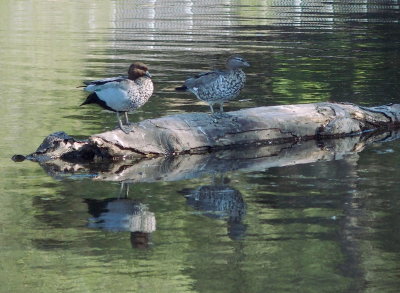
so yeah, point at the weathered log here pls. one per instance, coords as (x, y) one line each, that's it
(200, 132)
(188, 166)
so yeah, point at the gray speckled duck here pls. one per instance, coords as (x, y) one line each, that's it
(217, 87)
(123, 93)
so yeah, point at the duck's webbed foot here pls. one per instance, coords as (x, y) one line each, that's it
(216, 115)
(126, 128)
(220, 115)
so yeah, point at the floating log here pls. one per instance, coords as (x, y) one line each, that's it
(197, 133)
(189, 166)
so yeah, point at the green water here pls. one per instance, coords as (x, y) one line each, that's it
(326, 222)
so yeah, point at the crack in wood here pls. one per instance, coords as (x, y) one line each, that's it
(111, 144)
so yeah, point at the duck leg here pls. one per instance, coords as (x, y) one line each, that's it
(124, 128)
(119, 120)
(126, 118)
(123, 191)
(217, 115)
(214, 114)
(221, 109)
(212, 109)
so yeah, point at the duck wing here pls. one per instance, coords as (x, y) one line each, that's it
(203, 79)
(116, 94)
(114, 83)
(105, 80)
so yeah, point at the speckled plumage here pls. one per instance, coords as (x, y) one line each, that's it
(219, 86)
(122, 94)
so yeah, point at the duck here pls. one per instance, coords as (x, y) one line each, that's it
(122, 94)
(219, 86)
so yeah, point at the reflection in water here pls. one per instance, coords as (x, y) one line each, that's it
(298, 222)
(123, 214)
(220, 201)
(315, 200)
(302, 51)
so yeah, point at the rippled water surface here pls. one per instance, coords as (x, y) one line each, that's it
(305, 219)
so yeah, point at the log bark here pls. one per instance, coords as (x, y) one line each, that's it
(196, 133)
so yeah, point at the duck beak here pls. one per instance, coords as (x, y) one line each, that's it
(148, 74)
(246, 64)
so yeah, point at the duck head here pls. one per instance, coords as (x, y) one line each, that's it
(138, 69)
(235, 62)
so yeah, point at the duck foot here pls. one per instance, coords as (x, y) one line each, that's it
(220, 115)
(126, 128)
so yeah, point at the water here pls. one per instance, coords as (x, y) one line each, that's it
(326, 222)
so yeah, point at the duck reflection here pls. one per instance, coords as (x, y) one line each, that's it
(123, 214)
(220, 201)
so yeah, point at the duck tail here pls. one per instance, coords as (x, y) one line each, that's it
(91, 99)
(181, 88)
